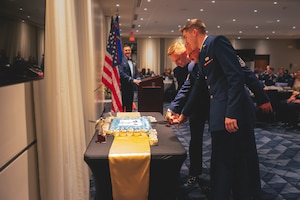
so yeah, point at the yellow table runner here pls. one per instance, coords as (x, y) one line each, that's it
(129, 163)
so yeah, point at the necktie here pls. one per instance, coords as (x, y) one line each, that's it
(131, 66)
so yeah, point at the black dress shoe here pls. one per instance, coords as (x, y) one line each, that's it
(192, 180)
(205, 190)
(293, 125)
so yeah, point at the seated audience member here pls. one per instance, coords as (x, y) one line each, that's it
(149, 72)
(167, 73)
(282, 76)
(268, 77)
(295, 81)
(263, 73)
(140, 72)
(143, 73)
(290, 109)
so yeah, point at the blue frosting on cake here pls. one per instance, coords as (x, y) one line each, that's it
(130, 123)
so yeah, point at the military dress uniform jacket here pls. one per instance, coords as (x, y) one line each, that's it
(219, 66)
(254, 84)
(194, 92)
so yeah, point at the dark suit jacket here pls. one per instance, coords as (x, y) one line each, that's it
(180, 73)
(219, 65)
(192, 96)
(126, 77)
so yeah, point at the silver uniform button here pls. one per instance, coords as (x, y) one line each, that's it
(208, 87)
(205, 77)
(211, 96)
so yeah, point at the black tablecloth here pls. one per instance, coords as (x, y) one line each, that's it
(166, 160)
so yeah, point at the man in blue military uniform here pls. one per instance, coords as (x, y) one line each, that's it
(195, 88)
(234, 160)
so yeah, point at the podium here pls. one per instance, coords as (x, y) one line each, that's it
(151, 94)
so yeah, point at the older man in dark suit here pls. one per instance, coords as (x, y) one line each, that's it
(128, 78)
(234, 163)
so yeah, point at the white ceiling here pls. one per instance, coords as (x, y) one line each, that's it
(163, 17)
(32, 11)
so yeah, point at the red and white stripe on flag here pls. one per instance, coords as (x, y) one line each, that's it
(110, 76)
(111, 80)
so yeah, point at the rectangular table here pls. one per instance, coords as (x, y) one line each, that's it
(166, 160)
(276, 96)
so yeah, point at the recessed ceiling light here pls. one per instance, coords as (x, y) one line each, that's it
(239, 38)
(278, 20)
(240, 31)
(219, 26)
(20, 8)
(145, 9)
(256, 26)
(267, 38)
(233, 20)
(273, 32)
(275, 2)
(201, 9)
(294, 27)
(118, 5)
(141, 19)
(213, 1)
(255, 10)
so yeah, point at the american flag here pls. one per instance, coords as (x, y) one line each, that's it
(110, 77)
(118, 39)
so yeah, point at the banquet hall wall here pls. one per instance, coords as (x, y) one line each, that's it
(282, 52)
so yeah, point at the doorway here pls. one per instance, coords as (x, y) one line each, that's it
(261, 62)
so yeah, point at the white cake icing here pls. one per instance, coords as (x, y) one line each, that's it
(130, 124)
(153, 140)
(133, 126)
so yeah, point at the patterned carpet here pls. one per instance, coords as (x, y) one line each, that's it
(278, 150)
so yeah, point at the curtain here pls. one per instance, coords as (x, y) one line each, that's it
(148, 51)
(64, 101)
(152, 53)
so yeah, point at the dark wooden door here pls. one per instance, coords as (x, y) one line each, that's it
(261, 61)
